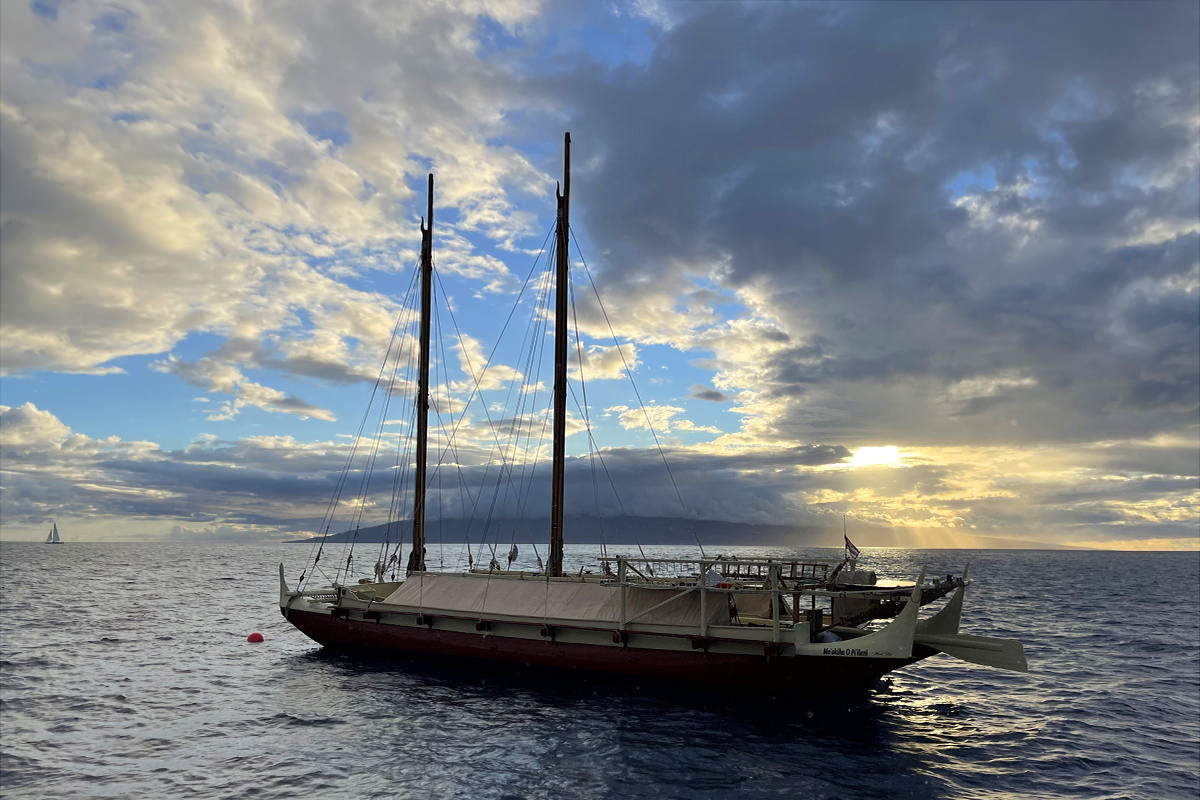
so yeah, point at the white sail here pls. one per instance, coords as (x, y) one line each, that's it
(53, 537)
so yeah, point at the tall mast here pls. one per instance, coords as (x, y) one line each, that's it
(561, 287)
(416, 559)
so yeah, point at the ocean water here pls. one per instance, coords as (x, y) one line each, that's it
(125, 672)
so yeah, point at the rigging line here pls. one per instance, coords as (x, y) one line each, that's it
(595, 450)
(633, 383)
(586, 412)
(607, 474)
(403, 352)
(478, 392)
(464, 494)
(595, 446)
(402, 321)
(401, 471)
(521, 429)
(477, 380)
(436, 384)
(514, 435)
(516, 303)
(327, 519)
(369, 470)
(401, 463)
(535, 363)
(368, 473)
(403, 449)
(529, 468)
(386, 540)
(537, 455)
(451, 444)
(441, 526)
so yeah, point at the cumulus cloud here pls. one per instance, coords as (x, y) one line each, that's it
(656, 418)
(196, 170)
(215, 376)
(602, 363)
(49, 471)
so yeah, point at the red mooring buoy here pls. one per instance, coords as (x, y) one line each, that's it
(254, 637)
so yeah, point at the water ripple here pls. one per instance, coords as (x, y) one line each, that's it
(149, 689)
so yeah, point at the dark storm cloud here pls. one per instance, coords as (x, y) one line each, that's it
(937, 192)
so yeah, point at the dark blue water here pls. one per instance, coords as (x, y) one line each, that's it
(126, 673)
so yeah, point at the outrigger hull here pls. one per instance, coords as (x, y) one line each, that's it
(733, 671)
(772, 656)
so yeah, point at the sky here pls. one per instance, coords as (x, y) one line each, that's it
(931, 266)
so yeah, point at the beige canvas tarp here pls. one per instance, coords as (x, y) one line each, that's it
(483, 595)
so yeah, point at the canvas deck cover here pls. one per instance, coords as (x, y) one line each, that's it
(578, 601)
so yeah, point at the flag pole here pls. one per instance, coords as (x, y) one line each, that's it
(852, 552)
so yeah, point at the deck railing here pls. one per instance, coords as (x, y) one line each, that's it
(693, 575)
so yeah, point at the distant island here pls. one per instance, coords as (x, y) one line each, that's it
(628, 530)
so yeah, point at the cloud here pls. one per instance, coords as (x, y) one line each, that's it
(657, 418)
(980, 213)
(50, 471)
(651, 417)
(215, 376)
(279, 485)
(711, 395)
(602, 363)
(194, 170)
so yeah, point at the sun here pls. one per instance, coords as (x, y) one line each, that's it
(886, 456)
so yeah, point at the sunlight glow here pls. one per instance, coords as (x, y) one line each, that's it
(887, 456)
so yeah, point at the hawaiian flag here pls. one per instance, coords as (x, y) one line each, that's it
(851, 550)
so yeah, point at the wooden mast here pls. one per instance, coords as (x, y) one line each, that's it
(416, 559)
(561, 287)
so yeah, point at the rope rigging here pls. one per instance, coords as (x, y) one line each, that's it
(517, 443)
(662, 454)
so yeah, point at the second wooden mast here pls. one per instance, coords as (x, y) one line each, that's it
(562, 287)
(416, 559)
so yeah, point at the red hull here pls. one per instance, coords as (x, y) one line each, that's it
(750, 672)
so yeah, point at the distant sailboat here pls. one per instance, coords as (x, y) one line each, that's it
(53, 537)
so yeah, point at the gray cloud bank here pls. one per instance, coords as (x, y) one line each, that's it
(977, 223)
(276, 486)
